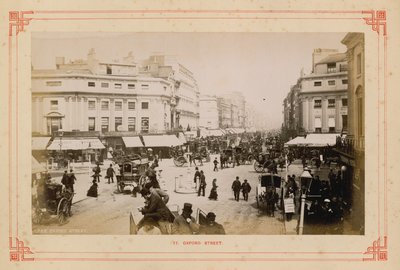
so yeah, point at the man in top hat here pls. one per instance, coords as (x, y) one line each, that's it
(246, 188)
(236, 186)
(211, 227)
(185, 223)
(110, 173)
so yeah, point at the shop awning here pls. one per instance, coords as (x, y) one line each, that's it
(161, 141)
(215, 132)
(321, 140)
(37, 167)
(296, 141)
(131, 142)
(314, 140)
(172, 140)
(75, 144)
(40, 143)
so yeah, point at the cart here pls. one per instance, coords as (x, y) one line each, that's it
(266, 192)
(133, 175)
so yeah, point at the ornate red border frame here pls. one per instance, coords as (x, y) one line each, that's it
(19, 20)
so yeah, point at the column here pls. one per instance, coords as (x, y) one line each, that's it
(98, 117)
(338, 116)
(310, 126)
(324, 116)
(125, 114)
(111, 115)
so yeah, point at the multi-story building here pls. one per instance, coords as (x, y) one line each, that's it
(318, 102)
(186, 93)
(209, 112)
(352, 149)
(238, 108)
(224, 113)
(99, 96)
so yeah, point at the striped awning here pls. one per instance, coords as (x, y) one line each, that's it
(131, 142)
(75, 144)
(40, 143)
(161, 141)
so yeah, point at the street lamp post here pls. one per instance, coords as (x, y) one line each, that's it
(303, 202)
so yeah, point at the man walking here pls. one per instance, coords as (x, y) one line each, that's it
(110, 173)
(246, 188)
(196, 174)
(202, 185)
(97, 171)
(215, 165)
(236, 186)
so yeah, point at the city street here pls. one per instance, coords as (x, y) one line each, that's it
(109, 213)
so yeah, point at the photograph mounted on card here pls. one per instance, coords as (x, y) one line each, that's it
(220, 134)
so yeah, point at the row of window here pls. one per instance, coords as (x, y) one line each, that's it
(119, 85)
(105, 85)
(331, 124)
(105, 124)
(330, 82)
(105, 105)
(331, 103)
(117, 105)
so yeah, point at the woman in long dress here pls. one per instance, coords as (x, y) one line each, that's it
(213, 192)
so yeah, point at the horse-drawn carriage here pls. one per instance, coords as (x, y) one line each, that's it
(266, 192)
(133, 174)
(51, 200)
(199, 154)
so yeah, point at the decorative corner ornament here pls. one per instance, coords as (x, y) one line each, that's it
(377, 19)
(18, 252)
(378, 252)
(18, 21)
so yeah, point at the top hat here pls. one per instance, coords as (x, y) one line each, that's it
(187, 207)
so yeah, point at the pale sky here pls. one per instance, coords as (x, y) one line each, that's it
(260, 65)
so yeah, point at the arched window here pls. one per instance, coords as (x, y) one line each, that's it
(360, 110)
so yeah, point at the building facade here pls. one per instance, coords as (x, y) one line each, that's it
(352, 148)
(238, 108)
(318, 101)
(98, 96)
(209, 112)
(185, 89)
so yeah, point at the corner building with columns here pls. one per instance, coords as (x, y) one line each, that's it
(89, 95)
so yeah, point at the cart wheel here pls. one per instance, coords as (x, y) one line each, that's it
(257, 167)
(62, 211)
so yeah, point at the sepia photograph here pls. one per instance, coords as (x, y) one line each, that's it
(203, 134)
(198, 133)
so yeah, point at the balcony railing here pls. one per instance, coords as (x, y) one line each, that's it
(349, 145)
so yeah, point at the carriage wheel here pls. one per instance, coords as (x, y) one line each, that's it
(257, 167)
(62, 211)
(179, 161)
(250, 158)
